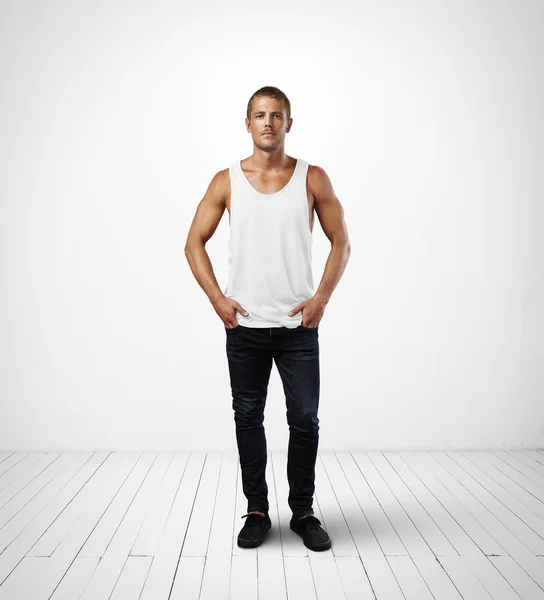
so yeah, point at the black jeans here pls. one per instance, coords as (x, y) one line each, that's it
(250, 352)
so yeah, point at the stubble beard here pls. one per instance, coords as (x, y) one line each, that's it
(270, 148)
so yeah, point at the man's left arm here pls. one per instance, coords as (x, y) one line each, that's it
(331, 217)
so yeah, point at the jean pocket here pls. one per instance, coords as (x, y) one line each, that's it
(310, 328)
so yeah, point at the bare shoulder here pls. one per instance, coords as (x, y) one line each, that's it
(327, 206)
(210, 209)
(320, 184)
(219, 187)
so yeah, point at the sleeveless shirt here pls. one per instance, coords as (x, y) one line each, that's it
(270, 250)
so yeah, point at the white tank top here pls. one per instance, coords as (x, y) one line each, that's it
(270, 250)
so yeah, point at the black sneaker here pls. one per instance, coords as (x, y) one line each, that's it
(252, 533)
(311, 532)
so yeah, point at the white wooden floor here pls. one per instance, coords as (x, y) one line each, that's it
(154, 526)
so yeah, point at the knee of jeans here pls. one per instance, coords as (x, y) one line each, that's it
(305, 423)
(246, 412)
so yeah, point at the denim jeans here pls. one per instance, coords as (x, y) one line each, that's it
(250, 352)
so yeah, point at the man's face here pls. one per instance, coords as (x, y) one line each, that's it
(268, 124)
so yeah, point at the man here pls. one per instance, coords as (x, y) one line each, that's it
(269, 308)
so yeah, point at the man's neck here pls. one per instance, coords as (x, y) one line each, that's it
(269, 161)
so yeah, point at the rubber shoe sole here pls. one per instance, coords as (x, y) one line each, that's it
(253, 532)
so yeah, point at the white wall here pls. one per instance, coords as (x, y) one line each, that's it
(426, 115)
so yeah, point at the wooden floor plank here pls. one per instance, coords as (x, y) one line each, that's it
(463, 578)
(412, 584)
(438, 525)
(163, 571)
(517, 475)
(425, 538)
(217, 567)
(55, 496)
(270, 566)
(298, 575)
(495, 507)
(511, 544)
(483, 460)
(490, 577)
(354, 578)
(531, 458)
(132, 578)
(77, 577)
(16, 466)
(117, 550)
(524, 585)
(457, 537)
(333, 511)
(370, 528)
(530, 473)
(36, 482)
(448, 497)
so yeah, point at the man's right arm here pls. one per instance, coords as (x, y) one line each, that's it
(208, 215)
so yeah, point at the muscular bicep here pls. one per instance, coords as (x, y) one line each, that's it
(328, 208)
(210, 210)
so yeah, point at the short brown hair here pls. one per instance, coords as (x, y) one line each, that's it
(270, 92)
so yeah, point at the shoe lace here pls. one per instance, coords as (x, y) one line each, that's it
(253, 519)
(311, 522)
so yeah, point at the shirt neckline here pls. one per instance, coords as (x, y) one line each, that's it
(239, 163)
